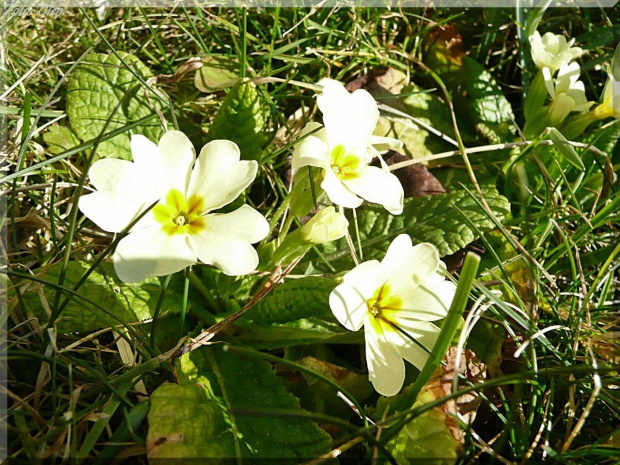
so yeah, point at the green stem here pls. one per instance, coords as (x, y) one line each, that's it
(184, 304)
(451, 322)
(206, 293)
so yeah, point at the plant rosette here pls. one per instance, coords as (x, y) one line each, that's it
(181, 228)
(396, 301)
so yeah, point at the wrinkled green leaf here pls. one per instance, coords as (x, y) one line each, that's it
(358, 385)
(490, 109)
(186, 422)
(293, 300)
(216, 73)
(240, 119)
(60, 139)
(128, 302)
(426, 437)
(96, 88)
(435, 435)
(233, 384)
(433, 219)
(302, 331)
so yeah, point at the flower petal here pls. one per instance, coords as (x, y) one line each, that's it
(149, 165)
(312, 150)
(108, 174)
(429, 301)
(143, 150)
(386, 368)
(409, 266)
(348, 306)
(151, 252)
(423, 332)
(108, 211)
(220, 175)
(225, 241)
(350, 119)
(376, 186)
(178, 156)
(338, 192)
(366, 278)
(383, 144)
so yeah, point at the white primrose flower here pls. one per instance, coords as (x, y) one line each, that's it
(180, 229)
(610, 106)
(611, 96)
(395, 300)
(551, 51)
(568, 93)
(345, 146)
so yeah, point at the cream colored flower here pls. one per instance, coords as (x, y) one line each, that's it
(326, 226)
(551, 51)
(568, 93)
(180, 229)
(610, 107)
(395, 300)
(345, 146)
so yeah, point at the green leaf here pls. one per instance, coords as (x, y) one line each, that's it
(95, 89)
(438, 219)
(427, 438)
(358, 385)
(293, 300)
(217, 387)
(298, 332)
(565, 149)
(490, 109)
(240, 119)
(186, 422)
(127, 302)
(59, 139)
(435, 434)
(216, 73)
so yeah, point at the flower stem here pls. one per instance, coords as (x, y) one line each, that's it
(206, 293)
(160, 301)
(184, 304)
(278, 214)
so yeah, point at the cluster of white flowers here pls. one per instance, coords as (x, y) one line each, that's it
(395, 300)
(552, 54)
(610, 107)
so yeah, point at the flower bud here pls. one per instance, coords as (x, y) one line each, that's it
(327, 225)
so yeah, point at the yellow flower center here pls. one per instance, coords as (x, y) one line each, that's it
(344, 165)
(179, 215)
(382, 301)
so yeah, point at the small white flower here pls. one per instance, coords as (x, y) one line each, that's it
(326, 226)
(345, 146)
(611, 97)
(180, 229)
(610, 106)
(568, 93)
(395, 301)
(551, 51)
